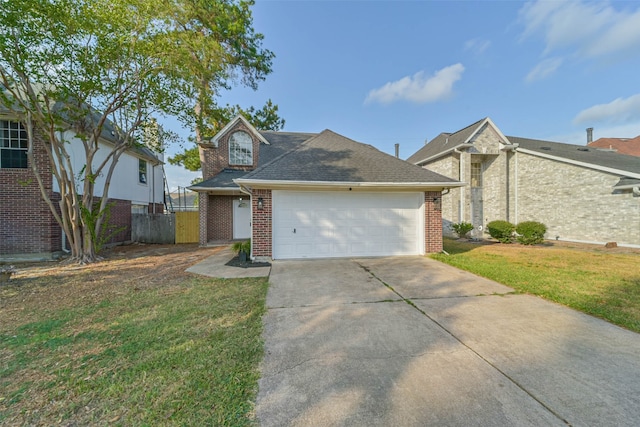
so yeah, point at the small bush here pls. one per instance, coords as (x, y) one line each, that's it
(462, 229)
(501, 230)
(531, 232)
(244, 246)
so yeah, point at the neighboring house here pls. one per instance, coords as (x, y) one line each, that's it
(27, 227)
(580, 193)
(302, 195)
(629, 146)
(182, 200)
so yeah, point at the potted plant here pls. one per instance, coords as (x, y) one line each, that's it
(243, 249)
(5, 272)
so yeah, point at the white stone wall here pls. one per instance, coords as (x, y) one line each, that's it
(575, 203)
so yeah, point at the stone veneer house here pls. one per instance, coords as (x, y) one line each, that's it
(303, 195)
(580, 193)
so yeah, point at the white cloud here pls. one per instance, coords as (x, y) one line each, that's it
(544, 69)
(620, 110)
(587, 29)
(419, 88)
(477, 45)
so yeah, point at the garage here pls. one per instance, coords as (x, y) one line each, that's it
(331, 224)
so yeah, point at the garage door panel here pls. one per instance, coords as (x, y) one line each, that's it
(330, 224)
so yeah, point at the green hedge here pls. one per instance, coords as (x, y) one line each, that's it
(501, 230)
(531, 232)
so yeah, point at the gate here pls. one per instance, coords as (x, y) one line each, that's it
(187, 227)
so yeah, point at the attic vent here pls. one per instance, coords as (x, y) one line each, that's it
(545, 148)
(583, 149)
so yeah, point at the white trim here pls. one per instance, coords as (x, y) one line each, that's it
(582, 164)
(231, 124)
(626, 187)
(279, 185)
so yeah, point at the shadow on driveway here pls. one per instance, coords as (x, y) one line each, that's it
(409, 341)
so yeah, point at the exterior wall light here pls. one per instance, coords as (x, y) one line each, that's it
(260, 203)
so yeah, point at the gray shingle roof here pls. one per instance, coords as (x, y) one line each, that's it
(580, 153)
(444, 142)
(279, 143)
(330, 157)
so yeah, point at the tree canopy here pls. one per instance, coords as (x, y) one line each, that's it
(265, 118)
(88, 65)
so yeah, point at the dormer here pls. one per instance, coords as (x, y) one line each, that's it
(236, 146)
(487, 139)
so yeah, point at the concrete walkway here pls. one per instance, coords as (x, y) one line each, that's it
(412, 342)
(214, 266)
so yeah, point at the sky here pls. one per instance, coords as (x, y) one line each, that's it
(387, 72)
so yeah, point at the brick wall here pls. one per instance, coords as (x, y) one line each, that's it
(219, 218)
(261, 239)
(118, 227)
(433, 221)
(26, 223)
(215, 159)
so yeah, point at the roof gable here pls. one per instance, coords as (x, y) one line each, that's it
(232, 124)
(447, 142)
(333, 158)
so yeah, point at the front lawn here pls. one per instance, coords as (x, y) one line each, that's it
(130, 342)
(597, 282)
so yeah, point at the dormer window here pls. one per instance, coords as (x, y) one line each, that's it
(240, 149)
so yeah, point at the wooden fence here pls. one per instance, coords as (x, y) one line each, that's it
(178, 227)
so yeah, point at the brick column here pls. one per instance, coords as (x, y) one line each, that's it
(432, 221)
(261, 230)
(203, 210)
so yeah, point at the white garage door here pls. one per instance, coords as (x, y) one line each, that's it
(347, 224)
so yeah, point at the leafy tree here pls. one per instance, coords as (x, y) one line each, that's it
(266, 118)
(83, 69)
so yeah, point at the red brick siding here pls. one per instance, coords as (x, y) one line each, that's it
(26, 223)
(203, 211)
(261, 225)
(159, 208)
(219, 218)
(433, 221)
(215, 159)
(118, 227)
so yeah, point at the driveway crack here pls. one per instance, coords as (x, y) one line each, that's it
(503, 373)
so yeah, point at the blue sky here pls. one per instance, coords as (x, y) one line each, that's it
(386, 72)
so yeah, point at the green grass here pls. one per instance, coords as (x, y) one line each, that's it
(602, 284)
(180, 355)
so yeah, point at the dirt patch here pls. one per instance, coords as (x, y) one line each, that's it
(50, 286)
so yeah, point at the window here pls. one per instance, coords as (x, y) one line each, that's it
(476, 175)
(13, 145)
(142, 171)
(240, 149)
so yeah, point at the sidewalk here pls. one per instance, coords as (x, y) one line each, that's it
(214, 266)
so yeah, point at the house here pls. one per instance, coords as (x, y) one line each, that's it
(28, 230)
(629, 146)
(305, 195)
(579, 192)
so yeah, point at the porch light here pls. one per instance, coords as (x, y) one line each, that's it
(260, 203)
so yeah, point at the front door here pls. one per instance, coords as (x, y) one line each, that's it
(242, 218)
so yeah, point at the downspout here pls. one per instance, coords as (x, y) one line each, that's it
(516, 188)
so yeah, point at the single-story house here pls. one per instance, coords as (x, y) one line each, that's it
(305, 195)
(581, 193)
(28, 229)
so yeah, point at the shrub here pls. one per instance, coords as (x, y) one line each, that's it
(244, 246)
(462, 229)
(531, 232)
(501, 230)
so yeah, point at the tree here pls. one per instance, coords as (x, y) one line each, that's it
(85, 66)
(266, 118)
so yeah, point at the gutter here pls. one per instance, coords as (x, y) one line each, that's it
(278, 184)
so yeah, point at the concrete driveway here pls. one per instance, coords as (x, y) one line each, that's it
(408, 341)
